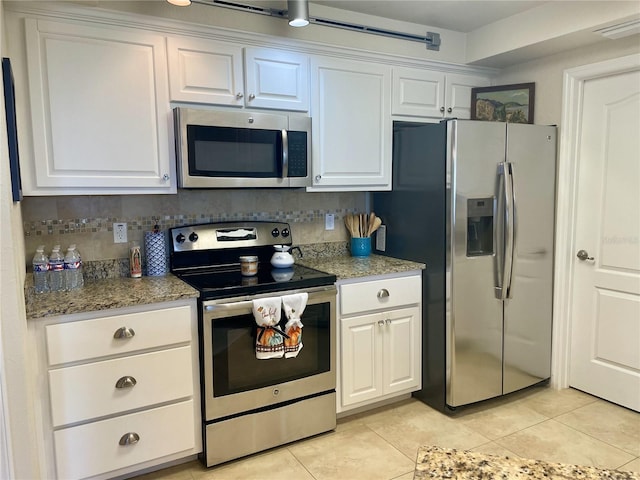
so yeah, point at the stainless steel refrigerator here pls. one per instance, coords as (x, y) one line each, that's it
(475, 201)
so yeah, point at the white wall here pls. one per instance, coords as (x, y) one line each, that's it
(547, 73)
(17, 428)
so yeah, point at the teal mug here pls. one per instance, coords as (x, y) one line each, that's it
(360, 247)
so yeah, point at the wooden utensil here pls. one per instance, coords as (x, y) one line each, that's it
(375, 225)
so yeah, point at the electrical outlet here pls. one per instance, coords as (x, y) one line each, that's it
(381, 238)
(329, 221)
(119, 233)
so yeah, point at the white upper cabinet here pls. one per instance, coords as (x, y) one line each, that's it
(351, 128)
(100, 111)
(210, 72)
(425, 93)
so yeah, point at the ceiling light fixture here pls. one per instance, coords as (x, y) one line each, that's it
(298, 13)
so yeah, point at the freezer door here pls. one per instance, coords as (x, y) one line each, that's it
(474, 314)
(531, 150)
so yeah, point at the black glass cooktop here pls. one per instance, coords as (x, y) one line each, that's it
(230, 282)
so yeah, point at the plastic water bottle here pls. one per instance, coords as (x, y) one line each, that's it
(73, 269)
(56, 270)
(40, 266)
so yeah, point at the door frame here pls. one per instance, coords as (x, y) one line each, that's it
(566, 195)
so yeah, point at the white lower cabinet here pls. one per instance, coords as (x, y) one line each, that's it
(120, 392)
(380, 340)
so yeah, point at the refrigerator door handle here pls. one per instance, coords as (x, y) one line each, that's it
(505, 254)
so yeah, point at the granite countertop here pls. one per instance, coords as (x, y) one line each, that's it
(439, 463)
(105, 294)
(344, 266)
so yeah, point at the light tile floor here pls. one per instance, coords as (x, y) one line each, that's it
(565, 426)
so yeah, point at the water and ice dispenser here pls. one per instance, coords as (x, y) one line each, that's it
(479, 226)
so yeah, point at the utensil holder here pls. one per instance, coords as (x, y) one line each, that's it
(360, 247)
(156, 253)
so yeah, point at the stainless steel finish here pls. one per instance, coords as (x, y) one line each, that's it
(285, 154)
(442, 109)
(241, 119)
(124, 332)
(229, 235)
(528, 309)
(584, 255)
(383, 293)
(269, 428)
(217, 407)
(505, 256)
(166, 177)
(318, 178)
(473, 315)
(126, 382)
(388, 321)
(239, 96)
(130, 438)
(381, 323)
(449, 110)
(251, 96)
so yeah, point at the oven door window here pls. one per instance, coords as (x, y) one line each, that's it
(234, 152)
(236, 368)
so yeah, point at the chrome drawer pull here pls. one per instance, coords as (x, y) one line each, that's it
(126, 382)
(130, 438)
(384, 293)
(381, 323)
(124, 332)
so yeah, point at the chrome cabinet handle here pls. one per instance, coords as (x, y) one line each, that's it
(584, 255)
(381, 323)
(388, 321)
(442, 109)
(383, 293)
(318, 177)
(252, 96)
(166, 177)
(126, 382)
(130, 438)
(449, 109)
(124, 332)
(239, 95)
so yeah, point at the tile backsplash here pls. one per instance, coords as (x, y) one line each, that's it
(88, 221)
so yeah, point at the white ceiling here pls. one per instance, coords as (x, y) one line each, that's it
(462, 16)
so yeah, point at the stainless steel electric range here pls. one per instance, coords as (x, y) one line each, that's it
(251, 404)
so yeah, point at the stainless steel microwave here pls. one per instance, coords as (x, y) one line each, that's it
(226, 149)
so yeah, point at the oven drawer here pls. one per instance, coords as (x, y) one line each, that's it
(380, 294)
(89, 391)
(94, 448)
(77, 341)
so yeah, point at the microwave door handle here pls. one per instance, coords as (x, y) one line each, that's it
(285, 154)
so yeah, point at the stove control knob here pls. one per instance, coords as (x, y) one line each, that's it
(275, 232)
(180, 238)
(285, 232)
(193, 237)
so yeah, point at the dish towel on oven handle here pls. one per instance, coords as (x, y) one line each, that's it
(293, 306)
(269, 340)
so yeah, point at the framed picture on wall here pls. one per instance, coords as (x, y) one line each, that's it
(504, 103)
(12, 132)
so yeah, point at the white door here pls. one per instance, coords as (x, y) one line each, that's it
(605, 304)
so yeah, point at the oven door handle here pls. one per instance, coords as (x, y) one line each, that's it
(245, 304)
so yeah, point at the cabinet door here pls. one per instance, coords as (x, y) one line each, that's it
(417, 92)
(205, 71)
(351, 129)
(458, 94)
(277, 79)
(100, 111)
(361, 349)
(402, 350)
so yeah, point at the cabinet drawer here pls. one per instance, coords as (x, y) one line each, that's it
(380, 294)
(89, 391)
(95, 448)
(83, 340)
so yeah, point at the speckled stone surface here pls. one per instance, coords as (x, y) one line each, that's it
(105, 294)
(344, 266)
(440, 463)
